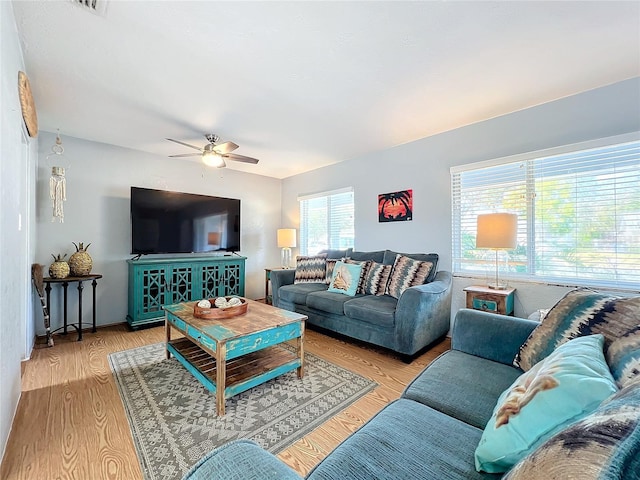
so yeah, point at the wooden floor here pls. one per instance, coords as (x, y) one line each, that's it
(71, 424)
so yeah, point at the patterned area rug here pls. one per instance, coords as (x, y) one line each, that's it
(172, 416)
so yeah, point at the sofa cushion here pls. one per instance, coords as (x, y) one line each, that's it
(336, 254)
(602, 446)
(311, 269)
(406, 440)
(375, 256)
(585, 312)
(377, 278)
(566, 386)
(345, 278)
(374, 310)
(463, 386)
(297, 293)
(407, 272)
(329, 302)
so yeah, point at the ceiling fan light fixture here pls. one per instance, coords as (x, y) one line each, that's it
(212, 159)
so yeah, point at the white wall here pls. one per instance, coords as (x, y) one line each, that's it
(424, 165)
(99, 177)
(17, 175)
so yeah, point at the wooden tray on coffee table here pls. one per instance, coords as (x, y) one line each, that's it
(215, 313)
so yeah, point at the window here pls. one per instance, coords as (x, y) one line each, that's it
(326, 221)
(578, 213)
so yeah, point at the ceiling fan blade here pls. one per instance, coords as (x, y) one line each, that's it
(185, 144)
(226, 147)
(241, 158)
(186, 155)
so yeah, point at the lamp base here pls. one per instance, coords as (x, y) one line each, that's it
(498, 286)
(285, 258)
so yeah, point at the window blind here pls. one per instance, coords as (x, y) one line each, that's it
(578, 211)
(326, 221)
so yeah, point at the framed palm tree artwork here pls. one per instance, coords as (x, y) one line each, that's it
(395, 206)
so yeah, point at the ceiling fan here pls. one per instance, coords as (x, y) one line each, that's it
(214, 154)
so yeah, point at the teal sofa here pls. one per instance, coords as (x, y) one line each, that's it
(420, 317)
(431, 432)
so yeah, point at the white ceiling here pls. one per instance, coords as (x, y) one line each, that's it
(301, 85)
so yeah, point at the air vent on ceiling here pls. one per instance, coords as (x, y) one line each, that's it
(98, 7)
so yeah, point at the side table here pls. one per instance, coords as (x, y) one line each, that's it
(267, 277)
(490, 299)
(65, 284)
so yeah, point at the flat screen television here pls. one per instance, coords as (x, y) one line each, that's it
(173, 222)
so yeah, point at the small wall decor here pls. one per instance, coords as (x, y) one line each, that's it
(57, 183)
(395, 206)
(27, 105)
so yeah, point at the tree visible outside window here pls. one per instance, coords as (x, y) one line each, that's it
(578, 213)
(326, 221)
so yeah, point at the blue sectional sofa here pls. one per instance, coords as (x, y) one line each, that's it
(421, 315)
(432, 431)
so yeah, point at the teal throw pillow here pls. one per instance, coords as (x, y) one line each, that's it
(604, 445)
(566, 386)
(345, 278)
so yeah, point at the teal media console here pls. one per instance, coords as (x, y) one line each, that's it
(156, 282)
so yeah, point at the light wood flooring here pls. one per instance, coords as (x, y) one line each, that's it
(71, 424)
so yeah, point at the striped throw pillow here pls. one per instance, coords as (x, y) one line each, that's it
(377, 279)
(311, 269)
(407, 272)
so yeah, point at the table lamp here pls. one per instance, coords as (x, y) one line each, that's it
(286, 240)
(497, 231)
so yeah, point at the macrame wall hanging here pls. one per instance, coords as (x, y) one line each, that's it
(57, 183)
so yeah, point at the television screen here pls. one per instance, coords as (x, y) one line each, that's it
(173, 222)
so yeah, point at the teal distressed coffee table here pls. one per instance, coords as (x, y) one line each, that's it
(229, 356)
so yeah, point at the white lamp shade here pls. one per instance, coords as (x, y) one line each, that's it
(497, 231)
(286, 237)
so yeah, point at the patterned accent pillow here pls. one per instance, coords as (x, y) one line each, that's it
(406, 273)
(345, 278)
(366, 264)
(310, 269)
(623, 355)
(377, 279)
(585, 312)
(566, 386)
(602, 446)
(331, 263)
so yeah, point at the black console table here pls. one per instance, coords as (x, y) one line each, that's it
(65, 284)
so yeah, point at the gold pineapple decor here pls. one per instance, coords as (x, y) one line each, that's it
(80, 262)
(59, 268)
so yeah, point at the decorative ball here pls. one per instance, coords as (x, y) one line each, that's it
(204, 304)
(221, 302)
(234, 302)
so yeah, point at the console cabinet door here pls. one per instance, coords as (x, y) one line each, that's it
(222, 279)
(180, 283)
(150, 285)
